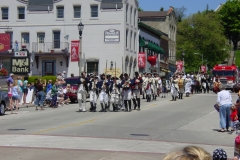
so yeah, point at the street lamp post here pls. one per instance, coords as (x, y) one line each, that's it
(80, 29)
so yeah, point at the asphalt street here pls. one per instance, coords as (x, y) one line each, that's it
(160, 127)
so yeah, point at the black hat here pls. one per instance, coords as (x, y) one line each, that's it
(103, 74)
(136, 73)
(125, 74)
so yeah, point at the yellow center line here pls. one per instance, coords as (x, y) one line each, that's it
(65, 126)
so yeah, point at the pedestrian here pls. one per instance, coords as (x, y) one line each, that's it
(234, 118)
(149, 87)
(136, 83)
(102, 86)
(127, 93)
(188, 84)
(16, 96)
(174, 87)
(82, 92)
(224, 100)
(115, 94)
(40, 95)
(9, 82)
(20, 85)
(93, 93)
(181, 84)
(49, 86)
(216, 85)
(54, 95)
(25, 89)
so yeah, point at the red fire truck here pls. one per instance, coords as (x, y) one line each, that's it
(228, 75)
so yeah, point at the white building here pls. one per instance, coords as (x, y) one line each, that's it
(47, 28)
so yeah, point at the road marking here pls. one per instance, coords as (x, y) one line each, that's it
(65, 126)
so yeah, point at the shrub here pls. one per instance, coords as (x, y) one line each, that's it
(33, 78)
(3, 72)
(53, 78)
(47, 78)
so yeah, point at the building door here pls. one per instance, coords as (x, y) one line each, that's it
(49, 68)
(40, 42)
(92, 67)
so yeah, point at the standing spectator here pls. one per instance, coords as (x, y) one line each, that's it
(16, 49)
(15, 95)
(20, 85)
(64, 74)
(9, 82)
(49, 86)
(54, 95)
(224, 100)
(40, 95)
(25, 89)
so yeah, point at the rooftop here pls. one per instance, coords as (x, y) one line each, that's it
(142, 14)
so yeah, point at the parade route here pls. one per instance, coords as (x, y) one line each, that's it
(160, 127)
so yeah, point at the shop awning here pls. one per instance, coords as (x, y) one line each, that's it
(151, 46)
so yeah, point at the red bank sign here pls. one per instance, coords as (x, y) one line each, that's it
(4, 42)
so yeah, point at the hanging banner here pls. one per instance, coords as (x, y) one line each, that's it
(75, 51)
(179, 65)
(203, 69)
(141, 60)
(4, 42)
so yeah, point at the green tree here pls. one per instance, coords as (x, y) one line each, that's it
(161, 9)
(229, 14)
(180, 13)
(201, 34)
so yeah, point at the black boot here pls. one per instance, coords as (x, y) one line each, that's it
(134, 103)
(138, 103)
(130, 105)
(91, 108)
(94, 107)
(106, 108)
(181, 95)
(114, 108)
(125, 105)
(102, 108)
(143, 96)
(173, 98)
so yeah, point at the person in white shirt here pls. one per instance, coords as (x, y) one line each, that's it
(224, 100)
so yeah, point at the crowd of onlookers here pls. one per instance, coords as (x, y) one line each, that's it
(44, 92)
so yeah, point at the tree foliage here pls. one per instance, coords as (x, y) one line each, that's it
(229, 14)
(161, 9)
(201, 33)
(180, 13)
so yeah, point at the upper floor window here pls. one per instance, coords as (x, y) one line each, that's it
(94, 10)
(131, 15)
(77, 11)
(4, 13)
(135, 17)
(25, 38)
(60, 12)
(21, 12)
(127, 13)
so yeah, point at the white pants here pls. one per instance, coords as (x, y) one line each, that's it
(103, 97)
(149, 91)
(82, 100)
(127, 94)
(174, 91)
(136, 93)
(114, 99)
(93, 97)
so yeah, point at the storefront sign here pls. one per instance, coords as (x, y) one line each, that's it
(179, 65)
(112, 35)
(20, 65)
(112, 71)
(75, 51)
(4, 42)
(203, 69)
(141, 60)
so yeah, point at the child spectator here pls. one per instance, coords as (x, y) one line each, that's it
(25, 89)
(234, 118)
(219, 154)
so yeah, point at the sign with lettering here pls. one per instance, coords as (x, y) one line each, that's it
(20, 65)
(75, 51)
(112, 71)
(20, 54)
(4, 42)
(112, 35)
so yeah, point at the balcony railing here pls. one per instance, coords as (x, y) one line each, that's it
(50, 47)
(18, 46)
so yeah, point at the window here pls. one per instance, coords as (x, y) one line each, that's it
(77, 11)
(56, 39)
(126, 38)
(92, 67)
(135, 41)
(127, 13)
(41, 37)
(11, 39)
(135, 18)
(60, 12)
(131, 15)
(131, 40)
(21, 12)
(94, 11)
(4, 13)
(25, 38)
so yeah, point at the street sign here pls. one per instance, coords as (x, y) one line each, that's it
(20, 54)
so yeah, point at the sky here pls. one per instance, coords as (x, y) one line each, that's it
(192, 6)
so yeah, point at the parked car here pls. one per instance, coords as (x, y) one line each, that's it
(74, 82)
(4, 102)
